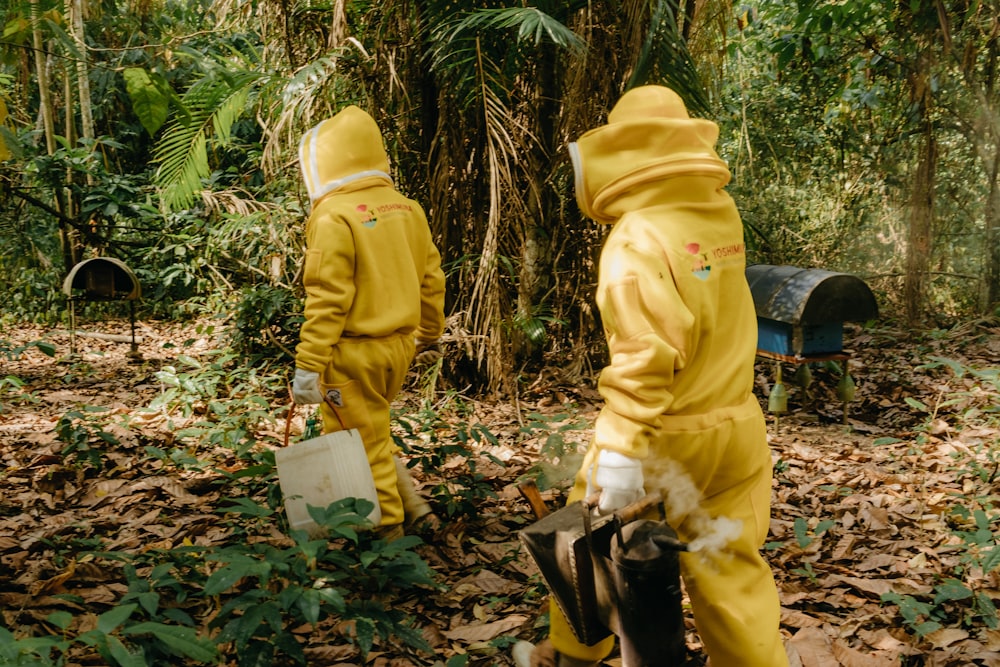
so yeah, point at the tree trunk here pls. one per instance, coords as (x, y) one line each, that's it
(48, 123)
(82, 75)
(918, 250)
(992, 216)
(41, 71)
(539, 211)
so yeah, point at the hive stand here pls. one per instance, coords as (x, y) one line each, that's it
(102, 279)
(800, 320)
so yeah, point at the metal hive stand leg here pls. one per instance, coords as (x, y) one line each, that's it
(72, 326)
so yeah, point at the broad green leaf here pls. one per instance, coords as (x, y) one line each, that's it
(246, 507)
(150, 601)
(228, 576)
(148, 101)
(309, 604)
(925, 628)
(249, 623)
(987, 610)
(47, 349)
(951, 589)
(991, 559)
(182, 640)
(801, 528)
(123, 656)
(824, 526)
(365, 631)
(15, 26)
(60, 619)
(109, 621)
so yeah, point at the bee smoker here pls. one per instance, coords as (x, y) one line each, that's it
(646, 573)
(616, 573)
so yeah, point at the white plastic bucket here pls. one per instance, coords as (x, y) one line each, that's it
(322, 470)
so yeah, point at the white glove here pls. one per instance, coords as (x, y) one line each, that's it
(428, 352)
(620, 479)
(305, 387)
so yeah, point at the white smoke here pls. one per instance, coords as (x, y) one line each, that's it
(682, 501)
(715, 534)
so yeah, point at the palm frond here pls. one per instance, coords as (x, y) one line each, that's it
(665, 59)
(456, 43)
(210, 107)
(533, 26)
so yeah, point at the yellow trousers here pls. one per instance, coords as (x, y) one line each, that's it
(367, 374)
(732, 592)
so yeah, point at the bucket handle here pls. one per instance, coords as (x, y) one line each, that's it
(625, 515)
(291, 413)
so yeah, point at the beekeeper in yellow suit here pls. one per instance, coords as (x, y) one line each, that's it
(374, 294)
(681, 332)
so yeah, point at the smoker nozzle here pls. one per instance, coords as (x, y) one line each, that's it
(669, 542)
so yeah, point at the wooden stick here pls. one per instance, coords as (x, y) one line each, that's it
(529, 489)
(115, 338)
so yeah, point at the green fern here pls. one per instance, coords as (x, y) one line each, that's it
(209, 109)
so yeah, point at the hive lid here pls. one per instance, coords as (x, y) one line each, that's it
(809, 296)
(103, 278)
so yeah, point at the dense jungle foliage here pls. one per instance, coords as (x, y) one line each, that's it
(862, 137)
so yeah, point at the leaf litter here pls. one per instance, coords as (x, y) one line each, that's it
(897, 505)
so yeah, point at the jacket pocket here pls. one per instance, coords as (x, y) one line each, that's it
(314, 265)
(351, 408)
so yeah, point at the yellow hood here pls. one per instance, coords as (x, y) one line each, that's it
(341, 150)
(649, 137)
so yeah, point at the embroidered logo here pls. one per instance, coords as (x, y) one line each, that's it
(699, 264)
(368, 217)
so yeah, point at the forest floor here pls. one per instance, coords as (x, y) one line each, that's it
(883, 535)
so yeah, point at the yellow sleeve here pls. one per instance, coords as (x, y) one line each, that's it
(328, 278)
(649, 329)
(431, 297)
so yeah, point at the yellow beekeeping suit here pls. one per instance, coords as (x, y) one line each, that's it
(681, 331)
(374, 286)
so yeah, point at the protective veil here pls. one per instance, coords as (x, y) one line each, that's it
(373, 284)
(681, 331)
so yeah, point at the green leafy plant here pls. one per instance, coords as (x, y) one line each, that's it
(266, 320)
(227, 395)
(12, 351)
(33, 651)
(433, 444)
(262, 591)
(804, 536)
(806, 571)
(82, 435)
(920, 617)
(125, 643)
(955, 598)
(273, 590)
(925, 616)
(12, 389)
(116, 637)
